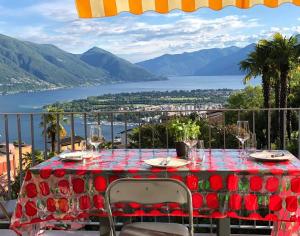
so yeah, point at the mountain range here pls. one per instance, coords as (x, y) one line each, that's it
(26, 66)
(206, 62)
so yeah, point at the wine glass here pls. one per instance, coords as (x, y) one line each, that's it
(201, 151)
(95, 138)
(251, 144)
(242, 134)
(86, 154)
(190, 140)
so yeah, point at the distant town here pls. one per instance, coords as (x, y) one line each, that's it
(177, 100)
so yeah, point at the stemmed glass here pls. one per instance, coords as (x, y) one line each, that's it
(242, 134)
(95, 137)
(201, 151)
(86, 154)
(190, 141)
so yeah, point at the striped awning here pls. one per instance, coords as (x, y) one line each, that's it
(104, 8)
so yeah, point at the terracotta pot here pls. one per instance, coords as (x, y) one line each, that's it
(181, 149)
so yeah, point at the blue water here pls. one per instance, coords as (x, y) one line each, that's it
(29, 102)
(33, 102)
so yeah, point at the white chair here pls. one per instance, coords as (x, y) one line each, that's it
(150, 191)
(6, 207)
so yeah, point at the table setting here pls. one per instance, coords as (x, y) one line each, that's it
(235, 183)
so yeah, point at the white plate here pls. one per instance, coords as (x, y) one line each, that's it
(88, 155)
(71, 156)
(161, 162)
(271, 156)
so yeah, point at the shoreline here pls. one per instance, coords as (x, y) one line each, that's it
(73, 87)
(33, 101)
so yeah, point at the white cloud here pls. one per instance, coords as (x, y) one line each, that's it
(139, 40)
(39, 35)
(57, 10)
(139, 37)
(176, 13)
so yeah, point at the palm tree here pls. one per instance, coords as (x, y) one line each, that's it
(258, 64)
(51, 125)
(285, 56)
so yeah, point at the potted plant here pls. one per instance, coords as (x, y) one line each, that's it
(183, 130)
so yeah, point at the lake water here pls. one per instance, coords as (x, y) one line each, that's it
(33, 102)
(29, 102)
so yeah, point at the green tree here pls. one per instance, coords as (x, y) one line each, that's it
(258, 64)
(285, 58)
(248, 98)
(51, 125)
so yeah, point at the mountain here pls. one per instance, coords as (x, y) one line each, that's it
(215, 61)
(115, 66)
(226, 65)
(26, 66)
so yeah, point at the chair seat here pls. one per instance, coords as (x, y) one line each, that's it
(154, 229)
(9, 207)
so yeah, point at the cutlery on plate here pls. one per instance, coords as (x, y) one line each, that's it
(167, 161)
(277, 155)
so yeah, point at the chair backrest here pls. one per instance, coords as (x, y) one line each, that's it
(148, 191)
(4, 195)
(4, 211)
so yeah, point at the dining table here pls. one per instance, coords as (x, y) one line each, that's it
(223, 186)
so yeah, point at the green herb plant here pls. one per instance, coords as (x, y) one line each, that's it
(184, 128)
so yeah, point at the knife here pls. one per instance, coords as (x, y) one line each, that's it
(277, 155)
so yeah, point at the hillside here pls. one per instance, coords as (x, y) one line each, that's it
(215, 61)
(115, 66)
(226, 65)
(26, 66)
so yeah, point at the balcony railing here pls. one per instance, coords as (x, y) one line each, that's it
(28, 133)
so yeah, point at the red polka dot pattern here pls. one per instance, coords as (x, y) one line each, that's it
(220, 187)
(216, 182)
(100, 183)
(31, 190)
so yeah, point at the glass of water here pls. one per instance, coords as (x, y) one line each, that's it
(242, 134)
(201, 150)
(85, 152)
(95, 138)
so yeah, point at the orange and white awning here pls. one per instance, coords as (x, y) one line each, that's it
(103, 8)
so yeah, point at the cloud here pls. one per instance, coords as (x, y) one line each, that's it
(56, 10)
(176, 14)
(39, 35)
(136, 38)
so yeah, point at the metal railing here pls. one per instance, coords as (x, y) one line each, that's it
(32, 128)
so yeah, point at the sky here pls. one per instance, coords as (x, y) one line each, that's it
(138, 38)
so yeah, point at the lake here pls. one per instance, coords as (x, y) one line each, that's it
(33, 102)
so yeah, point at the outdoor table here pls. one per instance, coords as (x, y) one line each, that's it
(222, 186)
